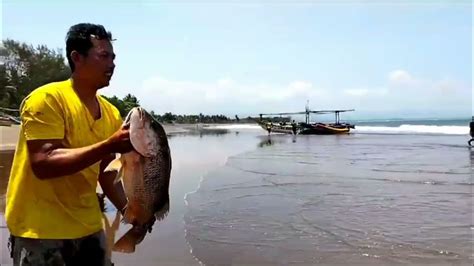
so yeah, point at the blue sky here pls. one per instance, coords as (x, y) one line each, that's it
(391, 59)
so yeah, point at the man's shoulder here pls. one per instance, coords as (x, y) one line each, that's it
(108, 104)
(53, 88)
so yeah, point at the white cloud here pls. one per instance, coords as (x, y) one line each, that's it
(402, 79)
(300, 87)
(225, 83)
(224, 95)
(399, 76)
(448, 86)
(402, 91)
(356, 92)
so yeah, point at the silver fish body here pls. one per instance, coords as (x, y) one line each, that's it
(145, 172)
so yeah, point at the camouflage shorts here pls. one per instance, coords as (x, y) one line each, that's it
(89, 250)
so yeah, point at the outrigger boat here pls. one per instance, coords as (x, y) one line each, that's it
(281, 127)
(8, 120)
(308, 128)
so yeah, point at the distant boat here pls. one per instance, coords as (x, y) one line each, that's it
(307, 128)
(8, 120)
(278, 127)
(324, 129)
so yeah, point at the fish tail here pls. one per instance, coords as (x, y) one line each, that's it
(127, 243)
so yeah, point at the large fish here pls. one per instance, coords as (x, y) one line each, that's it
(145, 172)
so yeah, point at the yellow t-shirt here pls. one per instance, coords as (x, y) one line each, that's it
(64, 207)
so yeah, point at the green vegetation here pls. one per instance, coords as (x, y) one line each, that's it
(24, 68)
(129, 101)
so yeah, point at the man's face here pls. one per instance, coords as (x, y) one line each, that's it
(98, 66)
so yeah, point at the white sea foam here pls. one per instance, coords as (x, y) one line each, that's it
(402, 129)
(414, 129)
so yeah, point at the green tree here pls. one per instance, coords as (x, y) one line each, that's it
(114, 100)
(169, 117)
(25, 68)
(129, 102)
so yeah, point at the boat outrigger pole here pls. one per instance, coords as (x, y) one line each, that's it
(307, 113)
(336, 113)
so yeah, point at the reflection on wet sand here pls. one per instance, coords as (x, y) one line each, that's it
(111, 231)
(276, 139)
(201, 132)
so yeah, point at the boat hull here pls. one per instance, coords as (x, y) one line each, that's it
(277, 128)
(324, 129)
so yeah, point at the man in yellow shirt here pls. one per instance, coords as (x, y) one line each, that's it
(68, 135)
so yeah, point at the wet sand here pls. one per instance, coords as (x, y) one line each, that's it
(195, 152)
(8, 137)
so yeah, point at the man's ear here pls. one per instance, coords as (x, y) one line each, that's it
(76, 57)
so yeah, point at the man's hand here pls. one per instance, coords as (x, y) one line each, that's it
(119, 142)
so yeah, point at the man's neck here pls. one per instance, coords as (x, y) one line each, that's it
(84, 90)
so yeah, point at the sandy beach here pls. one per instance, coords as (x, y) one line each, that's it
(196, 150)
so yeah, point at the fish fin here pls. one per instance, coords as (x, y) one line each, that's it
(127, 243)
(114, 165)
(119, 176)
(163, 211)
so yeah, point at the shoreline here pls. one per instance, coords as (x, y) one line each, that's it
(9, 134)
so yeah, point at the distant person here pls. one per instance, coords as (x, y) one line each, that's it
(269, 127)
(69, 133)
(471, 131)
(293, 127)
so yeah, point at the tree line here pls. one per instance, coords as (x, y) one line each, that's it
(125, 104)
(24, 68)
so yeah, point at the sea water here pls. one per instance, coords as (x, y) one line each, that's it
(389, 193)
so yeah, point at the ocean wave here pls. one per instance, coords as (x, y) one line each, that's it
(414, 129)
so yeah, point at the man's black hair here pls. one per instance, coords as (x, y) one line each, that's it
(79, 37)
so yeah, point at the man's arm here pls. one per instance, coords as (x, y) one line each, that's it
(114, 192)
(50, 159)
